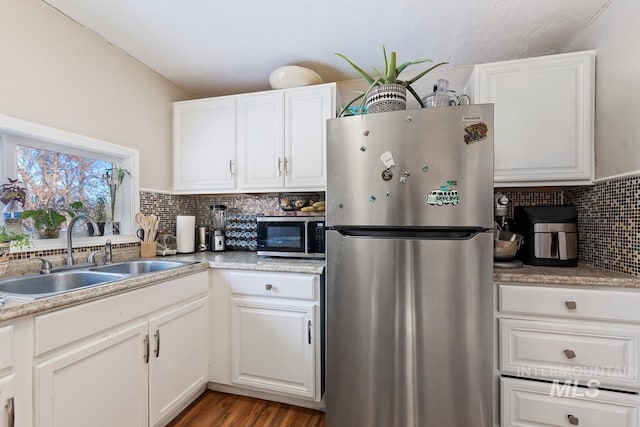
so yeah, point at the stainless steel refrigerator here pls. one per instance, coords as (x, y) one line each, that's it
(409, 269)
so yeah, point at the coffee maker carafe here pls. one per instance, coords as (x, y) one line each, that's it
(218, 223)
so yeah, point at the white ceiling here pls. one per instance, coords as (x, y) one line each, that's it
(216, 47)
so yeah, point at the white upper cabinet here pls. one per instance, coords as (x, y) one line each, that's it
(273, 140)
(305, 137)
(204, 145)
(544, 118)
(260, 137)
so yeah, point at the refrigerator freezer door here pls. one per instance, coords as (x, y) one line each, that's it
(409, 335)
(429, 167)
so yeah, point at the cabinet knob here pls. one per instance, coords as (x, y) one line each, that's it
(268, 286)
(571, 305)
(570, 354)
(574, 421)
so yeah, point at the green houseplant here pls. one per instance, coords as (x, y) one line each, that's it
(388, 80)
(7, 237)
(46, 220)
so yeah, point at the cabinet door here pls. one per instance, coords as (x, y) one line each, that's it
(204, 141)
(7, 401)
(273, 346)
(101, 383)
(260, 136)
(178, 361)
(306, 112)
(543, 118)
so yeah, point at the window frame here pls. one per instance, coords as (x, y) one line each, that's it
(128, 202)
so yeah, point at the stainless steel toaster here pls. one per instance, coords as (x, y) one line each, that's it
(550, 235)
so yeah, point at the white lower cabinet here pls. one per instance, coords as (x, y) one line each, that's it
(101, 383)
(134, 359)
(266, 332)
(568, 356)
(179, 357)
(7, 401)
(538, 404)
(273, 345)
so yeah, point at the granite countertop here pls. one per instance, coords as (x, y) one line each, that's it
(582, 275)
(16, 307)
(246, 260)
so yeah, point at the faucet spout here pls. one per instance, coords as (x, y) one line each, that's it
(70, 229)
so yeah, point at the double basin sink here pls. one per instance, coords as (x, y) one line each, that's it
(44, 285)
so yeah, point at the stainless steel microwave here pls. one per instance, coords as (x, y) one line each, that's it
(291, 236)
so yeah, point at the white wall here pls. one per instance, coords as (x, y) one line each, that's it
(615, 35)
(60, 74)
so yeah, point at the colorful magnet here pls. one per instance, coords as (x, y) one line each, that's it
(387, 159)
(425, 168)
(387, 175)
(389, 194)
(408, 119)
(404, 177)
(363, 148)
(475, 132)
(445, 195)
(365, 133)
(372, 199)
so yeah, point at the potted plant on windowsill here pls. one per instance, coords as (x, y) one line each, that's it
(114, 176)
(387, 92)
(46, 220)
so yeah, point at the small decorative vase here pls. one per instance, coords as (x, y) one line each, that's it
(49, 233)
(387, 97)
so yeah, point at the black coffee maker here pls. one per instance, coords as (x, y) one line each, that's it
(550, 235)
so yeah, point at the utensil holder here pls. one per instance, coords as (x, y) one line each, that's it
(147, 250)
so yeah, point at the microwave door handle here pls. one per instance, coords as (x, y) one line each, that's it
(306, 237)
(562, 245)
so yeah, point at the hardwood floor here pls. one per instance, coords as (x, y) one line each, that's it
(215, 409)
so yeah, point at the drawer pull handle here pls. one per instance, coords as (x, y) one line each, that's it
(570, 354)
(571, 305)
(268, 286)
(574, 421)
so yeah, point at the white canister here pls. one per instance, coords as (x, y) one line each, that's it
(185, 234)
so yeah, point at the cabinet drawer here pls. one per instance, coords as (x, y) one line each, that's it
(532, 403)
(565, 351)
(282, 285)
(597, 304)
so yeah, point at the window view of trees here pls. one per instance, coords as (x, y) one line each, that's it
(56, 179)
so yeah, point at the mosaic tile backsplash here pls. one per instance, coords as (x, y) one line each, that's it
(608, 220)
(608, 216)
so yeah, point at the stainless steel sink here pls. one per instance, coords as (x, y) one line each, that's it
(55, 283)
(140, 267)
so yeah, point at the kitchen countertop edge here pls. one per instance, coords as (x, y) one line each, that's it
(582, 275)
(23, 308)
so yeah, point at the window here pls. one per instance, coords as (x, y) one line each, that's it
(59, 167)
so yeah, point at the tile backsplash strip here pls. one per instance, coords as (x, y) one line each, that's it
(608, 220)
(609, 224)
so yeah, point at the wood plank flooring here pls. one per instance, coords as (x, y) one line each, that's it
(215, 409)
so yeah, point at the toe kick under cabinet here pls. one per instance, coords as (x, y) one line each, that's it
(569, 356)
(266, 333)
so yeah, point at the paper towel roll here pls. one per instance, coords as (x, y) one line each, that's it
(186, 234)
